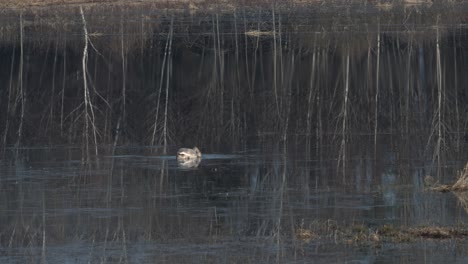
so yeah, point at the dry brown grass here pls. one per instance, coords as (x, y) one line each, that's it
(461, 185)
(436, 232)
(32, 3)
(45, 3)
(462, 182)
(306, 235)
(361, 234)
(193, 3)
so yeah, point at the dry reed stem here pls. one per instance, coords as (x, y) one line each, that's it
(432, 232)
(22, 93)
(463, 199)
(442, 188)
(462, 182)
(461, 185)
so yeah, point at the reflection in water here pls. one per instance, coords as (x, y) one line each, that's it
(240, 206)
(202, 80)
(323, 120)
(192, 163)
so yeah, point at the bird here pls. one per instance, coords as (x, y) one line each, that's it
(188, 157)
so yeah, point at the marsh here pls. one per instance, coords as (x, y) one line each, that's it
(318, 125)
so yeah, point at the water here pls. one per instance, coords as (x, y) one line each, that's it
(317, 127)
(139, 206)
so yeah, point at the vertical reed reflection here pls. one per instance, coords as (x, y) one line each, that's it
(296, 93)
(283, 75)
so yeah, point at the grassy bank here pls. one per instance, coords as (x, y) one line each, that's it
(202, 4)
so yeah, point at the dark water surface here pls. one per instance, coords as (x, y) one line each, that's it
(317, 127)
(140, 207)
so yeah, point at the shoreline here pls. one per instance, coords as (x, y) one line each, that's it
(255, 19)
(205, 5)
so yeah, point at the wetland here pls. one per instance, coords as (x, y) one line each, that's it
(318, 123)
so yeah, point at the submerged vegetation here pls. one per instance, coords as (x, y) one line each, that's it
(362, 235)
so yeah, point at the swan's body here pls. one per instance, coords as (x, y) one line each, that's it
(189, 157)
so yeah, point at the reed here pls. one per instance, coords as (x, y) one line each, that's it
(344, 118)
(462, 182)
(10, 95)
(89, 117)
(377, 92)
(168, 77)
(63, 86)
(22, 90)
